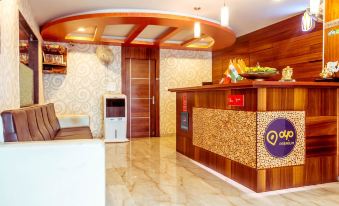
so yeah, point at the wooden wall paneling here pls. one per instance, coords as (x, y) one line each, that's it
(279, 45)
(328, 165)
(321, 137)
(298, 176)
(280, 99)
(322, 102)
(262, 99)
(300, 99)
(261, 181)
(331, 42)
(244, 175)
(279, 178)
(312, 170)
(331, 45)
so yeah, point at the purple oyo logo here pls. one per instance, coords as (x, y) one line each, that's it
(280, 137)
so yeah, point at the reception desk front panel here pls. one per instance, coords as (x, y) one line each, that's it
(282, 135)
(259, 140)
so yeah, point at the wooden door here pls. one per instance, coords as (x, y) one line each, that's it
(140, 91)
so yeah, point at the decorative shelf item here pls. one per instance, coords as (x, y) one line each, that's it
(23, 48)
(54, 59)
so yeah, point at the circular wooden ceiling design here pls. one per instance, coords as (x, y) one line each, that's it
(152, 29)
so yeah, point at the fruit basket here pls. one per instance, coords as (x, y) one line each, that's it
(259, 73)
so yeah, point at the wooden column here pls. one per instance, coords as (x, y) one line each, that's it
(331, 41)
(331, 52)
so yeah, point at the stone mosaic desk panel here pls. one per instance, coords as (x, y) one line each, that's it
(250, 137)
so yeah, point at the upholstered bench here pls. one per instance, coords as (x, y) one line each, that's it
(40, 123)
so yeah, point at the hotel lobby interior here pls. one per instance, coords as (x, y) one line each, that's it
(169, 103)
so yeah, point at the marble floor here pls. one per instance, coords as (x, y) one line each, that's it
(150, 172)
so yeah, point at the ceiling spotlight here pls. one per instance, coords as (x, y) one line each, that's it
(81, 29)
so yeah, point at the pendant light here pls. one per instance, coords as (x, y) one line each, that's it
(224, 15)
(314, 6)
(197, 30)
(307, 22)
(197, 26)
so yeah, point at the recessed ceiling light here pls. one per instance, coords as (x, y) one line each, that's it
(81, 29)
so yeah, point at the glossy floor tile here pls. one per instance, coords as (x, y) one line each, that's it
(150, 172)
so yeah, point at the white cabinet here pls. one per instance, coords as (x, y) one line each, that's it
(115, 118)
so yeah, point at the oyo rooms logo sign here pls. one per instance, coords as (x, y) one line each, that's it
(280, 137)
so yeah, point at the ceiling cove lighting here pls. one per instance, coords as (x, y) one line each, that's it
(197, 26)
(307, 23)
(315, 6)
(225, 15)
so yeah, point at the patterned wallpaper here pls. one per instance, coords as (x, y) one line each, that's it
(73, 94)
(179, 68)
(81, 90)
(9, 56)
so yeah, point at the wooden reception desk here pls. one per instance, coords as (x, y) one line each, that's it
(264, 135)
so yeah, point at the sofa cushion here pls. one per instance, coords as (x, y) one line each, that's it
(21, 125)
(53, 120)
(41, 124)
(8, 127)
(49, 127)
(38, 123)
(33, 125)
(73, 137)
(74, 133)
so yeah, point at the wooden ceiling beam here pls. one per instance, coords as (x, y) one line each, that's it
(135, 33)
(98, 32)
(193, 40)
(170, 32)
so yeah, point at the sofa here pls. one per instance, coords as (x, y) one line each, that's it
(40, 123)
(49, 160)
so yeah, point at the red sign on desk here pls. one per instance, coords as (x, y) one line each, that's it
(184, 102)
(235, 100)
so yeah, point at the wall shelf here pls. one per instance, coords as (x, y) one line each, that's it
(54, 59)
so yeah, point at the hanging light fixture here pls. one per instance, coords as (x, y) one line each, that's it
(308, 23)
(315, 6)
(224, 15)
(197, 29)
(197, 26)
(312, 15)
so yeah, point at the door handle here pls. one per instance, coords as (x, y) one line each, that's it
(153, 100)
